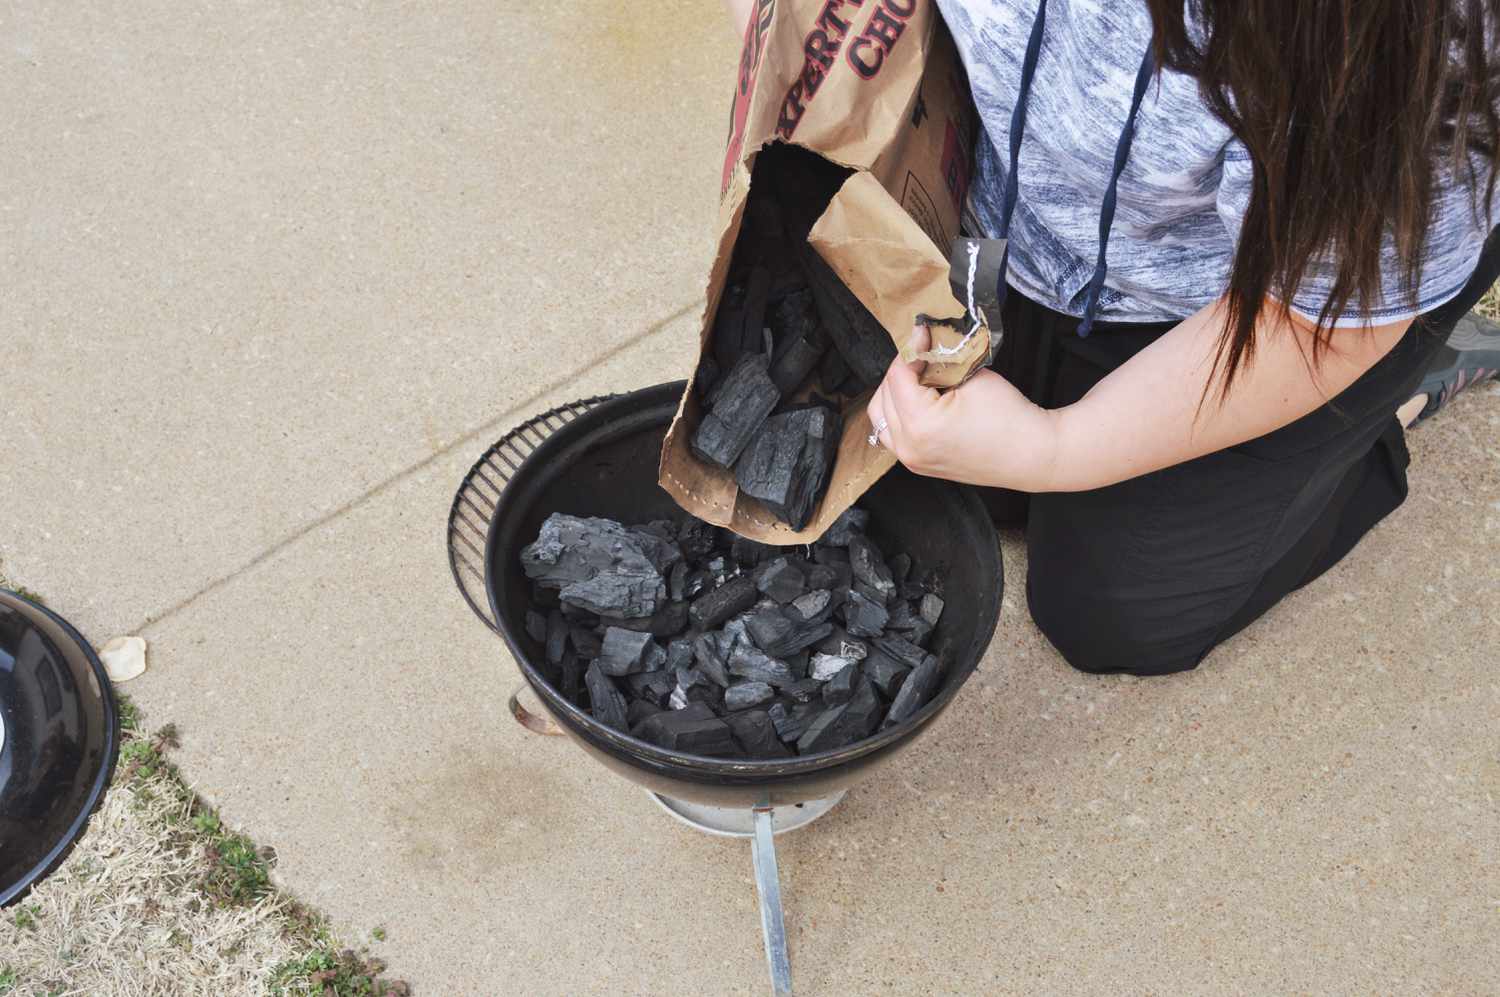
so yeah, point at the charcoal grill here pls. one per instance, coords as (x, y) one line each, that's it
(598, 457)
(59, 737)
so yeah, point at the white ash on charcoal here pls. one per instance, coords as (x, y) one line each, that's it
(770, 653)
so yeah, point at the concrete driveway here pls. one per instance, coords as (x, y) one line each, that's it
(272, 275)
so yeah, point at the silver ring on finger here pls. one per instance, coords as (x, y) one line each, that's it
(874, 438)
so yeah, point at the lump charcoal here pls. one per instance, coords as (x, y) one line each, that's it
(822, 577)
(794, 315)
(598, 565)
(781, 580)
(697, 711)
(823, 733)
(669, 620)
(624, 652)
(744, 399)
(696, 539)
(814, 607)
(662, 529)
(791, 722)
(677, 581)
(844, 645)
(749, 552)
(585, 640)
(903, 615)
(795, 362)
(578, 614)
(757, 303)
(654, 687)
(679, 654)
(789, 463)
(605, 701)
(805, 690)
(840, 689)
(743, 695)
(570, 680)
(865, 710)
(697, 582)
(544, 598)
(756, 734)
(900, 568)
(886, 672)
(694, 687)
(869, 593)
(854, 332)
(931, 608)
(864, 617)
(751, 663)
(798, 663)
(557, 637)
(850, 523)
(705, 378)
(536, 626)
(734, 596)
(779, 636)
(915, 691)
(869, 566)
(693, 731)
(920, 631)
(710, 658)
(826, 666)
(902, 650)
(836, 559)
(639, 710)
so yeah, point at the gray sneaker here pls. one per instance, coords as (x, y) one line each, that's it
(1470, 356)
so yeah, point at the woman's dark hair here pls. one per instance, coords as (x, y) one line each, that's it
(1351, 111)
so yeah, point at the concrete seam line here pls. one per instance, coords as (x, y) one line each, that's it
(381, 487)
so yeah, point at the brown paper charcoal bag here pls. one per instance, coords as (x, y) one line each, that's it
(850, 144)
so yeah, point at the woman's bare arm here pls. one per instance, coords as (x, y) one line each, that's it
(739, 14)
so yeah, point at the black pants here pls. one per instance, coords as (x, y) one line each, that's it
(1149, 575)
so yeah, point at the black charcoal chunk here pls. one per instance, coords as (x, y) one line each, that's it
(805, 690)
(729, 324)
(791, 722)
(864, 616)
(886, 672)
(536, 626)
(931, 608)
(823, 733)
(781, 580)
(869, 566)
(794, 363)
(694, 687)
(863, 341)
(825, 666)
(743, 695)
(585, 640)
(670, 619)
(598, 565)
(788, 465)
(625, 652)
(557, 637)
(841, 643)
(756, 734)
(679, 654)
(864, 713)
(869, 593)
(794, 314)
(902, 650)
(639, 710)
(919, 633)
(697, 539)
(690, 732)
(570, 676)
(851, 522)
(820, 577)
(605, 701)
(833, 373)
(655, 687)
(814, 607)
(711, 660)
(903, 616)
(915, 691)
(734, 596)
(677, 581)
(748, 553)
(779, 636)
(579, 615)
(743, 400)
(749, 662)
(698, 582)
(706, 378)
(840, 689)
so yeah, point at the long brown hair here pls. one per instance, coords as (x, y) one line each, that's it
(1350, 110)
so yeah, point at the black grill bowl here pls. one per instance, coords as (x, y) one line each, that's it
(604, 463)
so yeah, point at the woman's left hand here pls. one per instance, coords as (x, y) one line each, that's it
(983, 433)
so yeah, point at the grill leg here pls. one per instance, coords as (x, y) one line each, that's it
(768, 885)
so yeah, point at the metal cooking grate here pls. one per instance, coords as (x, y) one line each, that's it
(474, 505)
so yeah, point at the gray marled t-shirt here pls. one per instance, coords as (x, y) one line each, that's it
(1185, 188)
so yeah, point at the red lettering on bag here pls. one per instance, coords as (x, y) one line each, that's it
(819, 50)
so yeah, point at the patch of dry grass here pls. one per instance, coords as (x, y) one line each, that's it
(160, 898)
(1489, 305)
